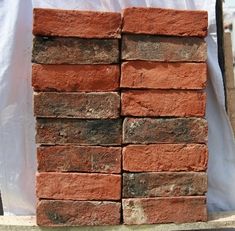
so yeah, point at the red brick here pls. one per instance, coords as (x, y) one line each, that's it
(77, 105)
(165, 157)
(164, 210)
(157, 75)
(163, 103)
(79, 131)
(74, 23)
(172, 130)
(164, 184)
(79, 159)
(73, 78)
(74, 213)
(157, 21)
(78, 186)
(163, 48)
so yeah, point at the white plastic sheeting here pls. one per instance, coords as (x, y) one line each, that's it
(17, 144)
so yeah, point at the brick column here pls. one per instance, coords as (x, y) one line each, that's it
(163, 101)
(76, 103)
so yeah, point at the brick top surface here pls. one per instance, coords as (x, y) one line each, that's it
(74, 23)
(157, 21)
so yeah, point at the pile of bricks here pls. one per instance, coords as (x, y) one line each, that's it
(119, 102)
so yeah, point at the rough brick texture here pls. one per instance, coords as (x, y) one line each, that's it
(164, 210)
(79, 159)
(158, 21)
(58, 50)
(76, 213)
(153, 130)
(76, 131)
(77, 105)
(163, 184)
(162, 48)
(73, 78)
(78, 186)
(74, 23)
(163, 103)
(165, 157)
(157, 75)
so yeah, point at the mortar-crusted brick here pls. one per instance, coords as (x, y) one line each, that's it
(155, 130)
(79, 159)
(74, 23)
(163, 48)
(78, 186)
(77, 131)
(165, 157)
(164, 210)
(59, 50)
(158, 75)
(73, 78)
(157, 21)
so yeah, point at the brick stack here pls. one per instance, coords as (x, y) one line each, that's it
(75, 78)
(163, 77)
(83, 133)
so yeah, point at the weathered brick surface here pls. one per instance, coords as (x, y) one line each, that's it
(164, 210)
(163, 103)
(157, 75)
(158, 21)
(76, 131)
(165, 157)
(73, 78)
(153, 130)
(74, 23)
(77, 105)
(58, 50)
(79, 159)
(163, 48)
(74, 213)
(164, 184)
(78, 186)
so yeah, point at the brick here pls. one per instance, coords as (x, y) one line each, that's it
(163, 103)
(164, 210)
(157, 21)
(163, 48)
(58, 50)
(157, 75)
(165, 157)
(77, 105)
(76, 131)
(167, 184)
(78, 186)
(174, 130)
(85, 24)
(73, 78)
(74, 213)
(79, 159)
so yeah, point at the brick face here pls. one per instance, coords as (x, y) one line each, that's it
(79, 159)
(71, 23)
(157, 75)
(73, 78)
(77, 105)
(163, 103)
(78, 186)
(158, 21)
(162, 48)
(163, 184)
(76, 131)
(165, 157)
(58, 50)
(154, 130)
(74, 213)
(164, 210)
